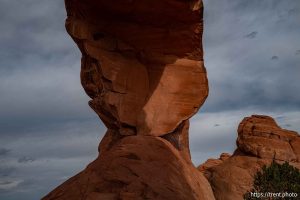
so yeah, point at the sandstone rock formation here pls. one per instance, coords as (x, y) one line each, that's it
(211, 163)
(260, 140)
(142, 66)
(261, 137)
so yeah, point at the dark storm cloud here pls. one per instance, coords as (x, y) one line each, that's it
(32, 35)
(241, 73)
(39, 68)
(251, 35)
(4, 151)
(6, 171)
(26, 159)
(44, 114)
(51, 156)
(8, 185)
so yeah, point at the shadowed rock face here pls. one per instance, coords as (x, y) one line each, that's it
(142, 61)
(260, 140)
(142, 66)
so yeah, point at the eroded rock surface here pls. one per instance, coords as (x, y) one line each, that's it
(260, 140)
(142, 61)
(142, 66)
(211, 163)
(136, 167)
(260, 136)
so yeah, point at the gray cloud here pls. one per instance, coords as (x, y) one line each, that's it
(44, 117)
(274, 58)
(39, 67)
(240, 72)
(6, 171)
(251, 35)
(7, 185)
(51, 156)
(26, 159)
(4, 151)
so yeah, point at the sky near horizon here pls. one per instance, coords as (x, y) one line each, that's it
(48, 133)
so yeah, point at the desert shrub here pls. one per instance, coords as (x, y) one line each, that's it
(278, 179)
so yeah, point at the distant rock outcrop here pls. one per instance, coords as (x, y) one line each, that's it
(261, 137)
(260, 141)
(142, 66)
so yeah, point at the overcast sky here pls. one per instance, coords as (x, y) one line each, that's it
(47, 130)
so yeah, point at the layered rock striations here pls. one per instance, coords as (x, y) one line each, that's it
(260, 141)
(260, 136)
(142, 61)
(142, 66)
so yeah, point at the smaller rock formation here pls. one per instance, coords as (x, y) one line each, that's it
(260, 141)
(212, 162)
